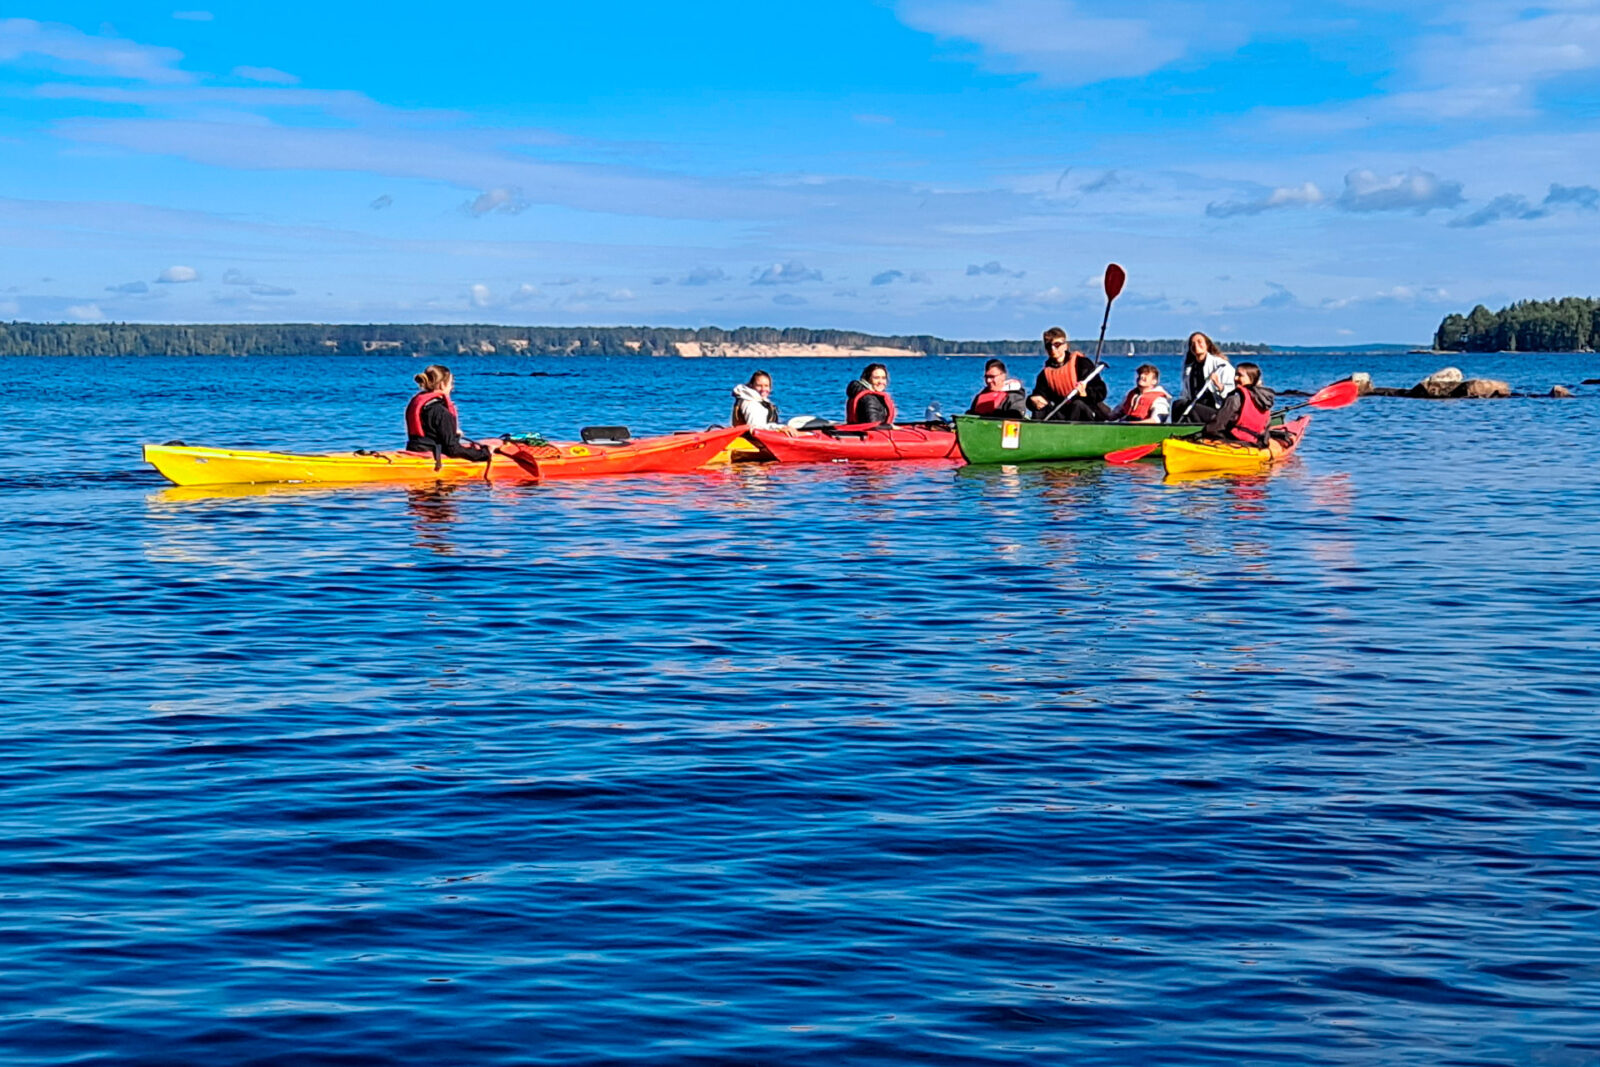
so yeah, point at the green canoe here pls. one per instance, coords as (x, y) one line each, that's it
(1020, 441)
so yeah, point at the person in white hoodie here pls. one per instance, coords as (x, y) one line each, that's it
(752, 404)
(1207, 379)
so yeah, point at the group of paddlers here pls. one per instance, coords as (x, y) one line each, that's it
(1229, 401)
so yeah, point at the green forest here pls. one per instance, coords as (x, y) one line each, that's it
(1571, 324)
(439, 342)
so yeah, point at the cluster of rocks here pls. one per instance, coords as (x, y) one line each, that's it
(1448, 383)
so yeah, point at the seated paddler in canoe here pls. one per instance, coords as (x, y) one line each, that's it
(1146, 402)
(432, 423)
(1069, 387)
(867, 400)
(1002, 396)
(1205, 381)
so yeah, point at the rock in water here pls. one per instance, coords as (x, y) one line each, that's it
(1439, 384)
(1483, 388)
(1560, 390)
(1363, 382)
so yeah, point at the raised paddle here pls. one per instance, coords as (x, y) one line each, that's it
(1115, 279)
(1337, 395)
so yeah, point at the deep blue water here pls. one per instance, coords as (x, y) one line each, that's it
(840, 764)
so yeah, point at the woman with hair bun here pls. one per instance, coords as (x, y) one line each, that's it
(431, 420)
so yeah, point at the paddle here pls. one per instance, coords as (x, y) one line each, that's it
(1115, 279)
(521, 458)
(1338, 395)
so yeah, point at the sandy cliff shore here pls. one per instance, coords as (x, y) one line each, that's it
(783, 350)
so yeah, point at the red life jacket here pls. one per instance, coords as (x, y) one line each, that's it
(990, 401)
(855, 405)
(1136, 405)
(1251, 425)
(1064, 379)
(414, 412)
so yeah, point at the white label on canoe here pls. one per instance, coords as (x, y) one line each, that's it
(1011, 434)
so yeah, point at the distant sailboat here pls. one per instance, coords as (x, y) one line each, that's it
(1130, 348)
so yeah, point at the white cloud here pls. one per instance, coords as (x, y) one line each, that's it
(267, 75)
(178, 275)
(480, 296)
(1055, 40)
(1287, 196)
(72, 51)
(703, 276)
(87, 312)
(992, 267)
(505, 201)
(1415, 190)
(790, 273)
(1513, 206)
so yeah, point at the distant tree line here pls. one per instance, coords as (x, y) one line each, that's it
(440, 342)
(1571, 324)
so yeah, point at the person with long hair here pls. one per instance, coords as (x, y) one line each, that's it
(752, 403)
(1067, 389)
(1246, 415)
(432, 424)
(867, 399)
(1205, 381)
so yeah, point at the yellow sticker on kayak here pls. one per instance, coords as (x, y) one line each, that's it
(577, 450)
(1011, 434)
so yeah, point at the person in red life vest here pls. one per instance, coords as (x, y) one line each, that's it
(1002, 396)
(752, 403)
(431, 423)
(1063, 392)
(1246, 415)
(867, 400)
(1147, 402)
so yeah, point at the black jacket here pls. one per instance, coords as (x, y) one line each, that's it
(439, 427)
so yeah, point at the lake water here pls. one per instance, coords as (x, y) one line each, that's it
(829, 764)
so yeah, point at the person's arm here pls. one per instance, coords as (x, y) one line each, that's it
(1094, 392)
(1042, 394)
(1226, 416)
(438, 424)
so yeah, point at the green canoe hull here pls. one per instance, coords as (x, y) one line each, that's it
(1020, 441)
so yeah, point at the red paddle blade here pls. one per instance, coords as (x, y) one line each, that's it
(1131, 455)
(1337, 395)
(1116, 278)
(521, 458)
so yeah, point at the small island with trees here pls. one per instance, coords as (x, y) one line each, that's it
(1571, 324)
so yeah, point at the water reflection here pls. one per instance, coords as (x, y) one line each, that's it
(434, 513)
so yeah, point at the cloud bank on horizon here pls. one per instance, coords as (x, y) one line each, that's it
(1338, 172)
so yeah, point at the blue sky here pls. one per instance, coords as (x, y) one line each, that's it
(1325, 173)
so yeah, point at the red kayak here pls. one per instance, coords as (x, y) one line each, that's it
(858, 442)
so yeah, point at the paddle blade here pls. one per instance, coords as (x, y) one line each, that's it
(1337, 395)
(1131, 455)
(1116, 278)
(521, 458)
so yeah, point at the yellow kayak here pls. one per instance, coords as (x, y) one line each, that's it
(1183, 455)
(194, 465)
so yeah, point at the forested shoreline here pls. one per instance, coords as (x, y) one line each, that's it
(1571, 324)
(441, 341)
